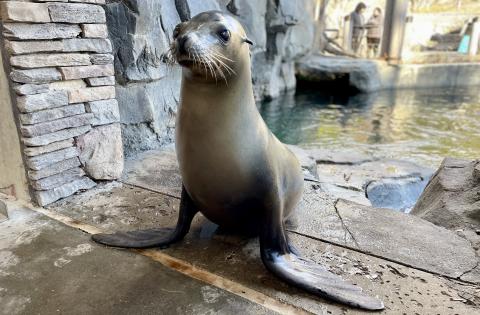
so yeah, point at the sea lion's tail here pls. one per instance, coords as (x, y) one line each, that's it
(317, 280)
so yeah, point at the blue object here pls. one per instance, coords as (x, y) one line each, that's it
(463, 47)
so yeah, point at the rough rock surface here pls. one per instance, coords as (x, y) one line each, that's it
(45, 197)
(452, 197)
(101, 152)
(368, 180)
(361, 76)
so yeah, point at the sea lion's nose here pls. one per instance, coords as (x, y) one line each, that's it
(182, 44)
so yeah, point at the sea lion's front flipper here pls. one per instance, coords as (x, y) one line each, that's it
(159, 237)
(278, 257)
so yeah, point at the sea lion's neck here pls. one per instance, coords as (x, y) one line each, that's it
(228, 98)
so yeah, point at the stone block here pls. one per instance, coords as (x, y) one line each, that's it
(68, 85)
(91, 94)
(56, 136)
(94, 30)
(17, 11)
(89, 1)
(29, 89)
(101, 81)
(25, 31)
(97, 45)
(29, 47)
(53, 169)
(70, 73)
(58, 179)
(49, 60)
(101, 152)
(104, 112)
(52, 114)
(55, 125)
(43, 75)
(45, 197)
(41, 161)
(101, 59)
(76, 13)
(33, 151)
(36, 102)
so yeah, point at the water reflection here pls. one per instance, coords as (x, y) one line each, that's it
(422, 125)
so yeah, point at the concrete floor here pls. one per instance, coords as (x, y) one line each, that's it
(48, 264)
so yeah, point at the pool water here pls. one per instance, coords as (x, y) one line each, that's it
(423, 126)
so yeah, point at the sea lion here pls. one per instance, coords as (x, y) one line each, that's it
(234, 170)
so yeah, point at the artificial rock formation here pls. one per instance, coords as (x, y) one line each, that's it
(452, 197)
(61, 72)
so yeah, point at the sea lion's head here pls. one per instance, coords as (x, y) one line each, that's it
(212, 45)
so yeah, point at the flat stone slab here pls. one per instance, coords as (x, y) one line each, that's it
(26, 31)
(407, 239)
(156, 170)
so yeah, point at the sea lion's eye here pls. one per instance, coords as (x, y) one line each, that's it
(224, 35)
(176, 31)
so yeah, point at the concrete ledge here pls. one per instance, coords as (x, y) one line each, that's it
(372, 75)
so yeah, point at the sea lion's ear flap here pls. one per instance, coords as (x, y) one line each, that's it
(248, 41)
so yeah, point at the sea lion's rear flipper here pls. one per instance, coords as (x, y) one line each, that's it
(159, 237)
(278, 258)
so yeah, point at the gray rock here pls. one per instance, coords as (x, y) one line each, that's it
(197, 7)
(91, 94)
(407, 239)
(56, 136)
(76, 13)
(396, 193)
(389, 183)
(140, 43)
(24, 12)
(101, 152)
(36, 102)
(101, 81)
(48, 196)
(52, 114)
(452, 197)
(104, 112)
(28, 89)
(101, 59)
(3, 212)
(71, 73)
(97, 45)
(55, 125)
(41, 161)
(363, 76)
(94, 30)
(34, 151)
(29, 47)
(155, 170)
(142, 137)
(347, 157)
(50, 60)
(58, 179)
(43, 75)
(54, 169)
(40, 31)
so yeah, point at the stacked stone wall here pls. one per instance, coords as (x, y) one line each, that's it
(61, 69)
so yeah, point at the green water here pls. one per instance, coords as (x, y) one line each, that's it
(422, 125)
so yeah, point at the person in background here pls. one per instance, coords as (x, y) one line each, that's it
(358, 27)
(374, 32)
